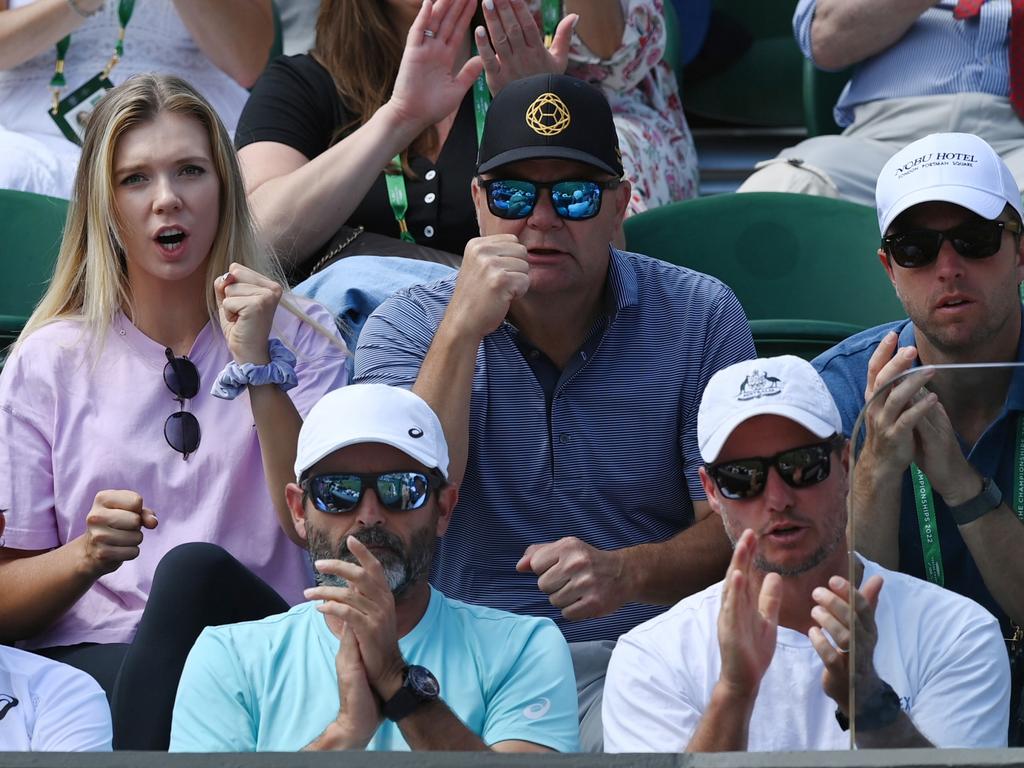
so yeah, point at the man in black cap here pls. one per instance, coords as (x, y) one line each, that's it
(567, 375)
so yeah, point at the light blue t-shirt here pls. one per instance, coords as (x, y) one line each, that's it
(271, 685)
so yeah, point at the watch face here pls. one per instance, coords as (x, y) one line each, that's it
(422, 682)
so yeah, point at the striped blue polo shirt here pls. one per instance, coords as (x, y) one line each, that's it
(939, 54)
(604, 450)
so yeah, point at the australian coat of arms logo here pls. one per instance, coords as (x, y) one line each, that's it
(759, 384)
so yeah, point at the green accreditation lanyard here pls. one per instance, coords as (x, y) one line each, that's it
(925, 503)
(125, 8)
(550, 15)
(398, 196)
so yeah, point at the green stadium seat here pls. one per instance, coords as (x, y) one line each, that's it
(821, 92)
(30, 232)
(804, 268)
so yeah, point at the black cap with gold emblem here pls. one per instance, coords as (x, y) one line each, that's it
(550, 116)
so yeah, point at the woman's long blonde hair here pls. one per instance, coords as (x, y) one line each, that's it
(90, 279)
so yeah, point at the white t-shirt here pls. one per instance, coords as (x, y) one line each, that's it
(49, 706)
(941, 652)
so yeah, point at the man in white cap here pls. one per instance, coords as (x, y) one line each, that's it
(760, 661)
(943, 458)
(377, 659)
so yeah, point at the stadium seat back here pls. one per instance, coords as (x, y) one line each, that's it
(804, 268)
(30, 232)
(821, 92)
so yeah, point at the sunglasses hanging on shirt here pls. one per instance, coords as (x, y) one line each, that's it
(181, 430)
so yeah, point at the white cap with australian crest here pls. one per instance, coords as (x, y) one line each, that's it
(786, 386)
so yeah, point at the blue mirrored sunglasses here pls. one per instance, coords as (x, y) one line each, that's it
(572, 199)
(398, 491)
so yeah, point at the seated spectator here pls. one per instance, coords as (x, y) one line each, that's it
(918, 67)
(113, 448)
(567, 375)
(950, 215)
(46, 706)
(414, 669)
(320, 130)
(219, 47)
(761, 660)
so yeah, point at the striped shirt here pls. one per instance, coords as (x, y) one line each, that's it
(613, 460)
(938, 55)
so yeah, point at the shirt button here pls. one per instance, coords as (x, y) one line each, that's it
(564, 438)
(428, 231)
(429, 197)
(534, 354)
(429, 175)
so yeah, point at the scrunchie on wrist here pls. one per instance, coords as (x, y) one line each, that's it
(81, 12)
(280, 371)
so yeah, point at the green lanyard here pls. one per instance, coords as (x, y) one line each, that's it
(925, 503)
(398, 196)
(550, 15)
(125, 8)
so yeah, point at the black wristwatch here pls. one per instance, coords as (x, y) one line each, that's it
(879, 710)
(418, 687)
(989, 498)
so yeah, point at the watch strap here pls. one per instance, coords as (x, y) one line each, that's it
(879, 710)
(989, 498)
(410, 696)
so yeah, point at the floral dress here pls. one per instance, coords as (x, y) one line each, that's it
(657, 149)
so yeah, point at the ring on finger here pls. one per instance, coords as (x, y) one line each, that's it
(502, 41)
(843, 651)
(428, 33)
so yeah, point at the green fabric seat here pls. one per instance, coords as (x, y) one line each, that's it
(821, 92)
(30, 232)
(805, 268)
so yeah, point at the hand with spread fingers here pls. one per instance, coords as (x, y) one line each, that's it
(581, 580)
(113, 531)
(512, 46)
(748, 621)
(246, 302)
(832, 614)
(429, 86)
(366, 608)
(494, 273)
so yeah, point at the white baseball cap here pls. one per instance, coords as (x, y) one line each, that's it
(785, 386)
(372, 413)
(958, 168)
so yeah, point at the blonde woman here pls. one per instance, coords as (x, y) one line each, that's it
(113, 449)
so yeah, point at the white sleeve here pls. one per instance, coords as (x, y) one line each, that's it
(72, 714)
(644, 708)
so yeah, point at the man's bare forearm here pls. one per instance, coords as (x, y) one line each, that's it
(845, 32)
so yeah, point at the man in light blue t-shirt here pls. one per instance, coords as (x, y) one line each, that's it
(378, 659)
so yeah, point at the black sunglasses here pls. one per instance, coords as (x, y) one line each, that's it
(973, 240)
(572, 199)
(798, 467)
(398, 491)
(181, 430)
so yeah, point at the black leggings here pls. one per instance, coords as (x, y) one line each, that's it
(195, 586)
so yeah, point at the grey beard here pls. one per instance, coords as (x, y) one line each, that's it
(402, 568)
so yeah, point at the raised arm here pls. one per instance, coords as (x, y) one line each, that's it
(845, 32)
(235, 35)
(299, 201)
(35, 28)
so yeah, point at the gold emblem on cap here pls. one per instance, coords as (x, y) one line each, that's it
(548, 115)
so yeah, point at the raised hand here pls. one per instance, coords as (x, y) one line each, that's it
(748, 621)
(367, 607)
(428, 86)
(494, 273)
(584, 582)
(246, 302)
(832, 614)
(515, 47)
(113, 531)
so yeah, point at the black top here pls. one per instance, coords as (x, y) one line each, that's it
(296, 103)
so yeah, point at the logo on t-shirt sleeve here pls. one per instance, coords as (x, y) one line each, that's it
(537, 710)
(7, 703)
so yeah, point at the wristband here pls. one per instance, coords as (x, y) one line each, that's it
(989, 498)
(280, 370)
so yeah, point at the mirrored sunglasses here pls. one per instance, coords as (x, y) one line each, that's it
(572, 199)
(973, 240)
(799, 467)
(337, 494)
